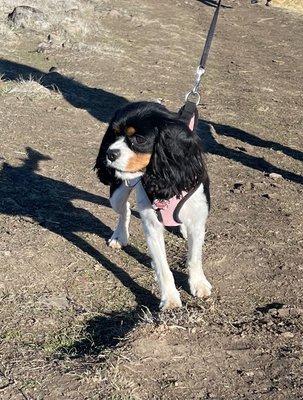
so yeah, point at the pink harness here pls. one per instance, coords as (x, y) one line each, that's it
(168, 210)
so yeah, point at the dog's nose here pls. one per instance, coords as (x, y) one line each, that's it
(113, 154)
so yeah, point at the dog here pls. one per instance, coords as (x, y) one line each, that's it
(148, 149)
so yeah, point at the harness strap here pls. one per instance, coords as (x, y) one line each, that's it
(189, 114)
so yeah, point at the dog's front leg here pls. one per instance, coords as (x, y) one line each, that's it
(194, 215)
(153, 229)
(199, 285)
(119, 203)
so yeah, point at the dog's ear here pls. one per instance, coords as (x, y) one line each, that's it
(176, 164)
(104, 173)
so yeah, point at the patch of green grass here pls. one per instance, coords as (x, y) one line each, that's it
(11, 335)
(57, 342)
(5, 87)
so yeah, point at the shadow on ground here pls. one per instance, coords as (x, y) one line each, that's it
(101, 105)
(213, 3)
(23, 192)
(48, 202)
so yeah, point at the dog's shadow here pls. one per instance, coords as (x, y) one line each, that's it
(102, 104)
(48, 202)
(23, 192)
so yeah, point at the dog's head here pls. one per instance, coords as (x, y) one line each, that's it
(145, 139)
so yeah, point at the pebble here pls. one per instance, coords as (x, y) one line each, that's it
(115, 14)
(274, 175)
(283, 312)
(287, 335)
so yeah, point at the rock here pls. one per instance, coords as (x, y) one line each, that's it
(27, 17)
(60, 302)
(257, 185)
(287, 335)
(238, 187)
(273, 311)
(275, 176)
(296, 312)
(284, 312)
(115, 14)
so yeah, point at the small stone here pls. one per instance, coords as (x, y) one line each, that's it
(296, 312)
(287, 335)
(114, 14)
(278, 62)
(238, 187)
(256, 185)
(284, 312)
(55, 301)
(275, 176)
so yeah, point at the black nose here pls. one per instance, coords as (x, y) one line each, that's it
(113, 154)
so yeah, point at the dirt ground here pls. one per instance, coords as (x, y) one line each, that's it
(79, 320)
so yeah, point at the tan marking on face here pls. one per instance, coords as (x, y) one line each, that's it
(138, 162)
(130, 131)
(116, 129)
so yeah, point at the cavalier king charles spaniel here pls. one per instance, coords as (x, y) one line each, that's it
(149, 149)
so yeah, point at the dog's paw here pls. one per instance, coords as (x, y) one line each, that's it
(200, 288)
(115, 244)
(170, 302)
(118, 240)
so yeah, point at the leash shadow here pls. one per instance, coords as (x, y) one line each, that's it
(211, 146)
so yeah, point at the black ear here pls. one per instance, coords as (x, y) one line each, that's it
(104, 173)
(177, 163)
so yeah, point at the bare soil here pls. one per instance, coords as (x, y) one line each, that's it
(79, 320)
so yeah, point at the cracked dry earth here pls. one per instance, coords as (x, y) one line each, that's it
(79, 320)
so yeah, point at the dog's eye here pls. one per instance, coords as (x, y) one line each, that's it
(139, 139)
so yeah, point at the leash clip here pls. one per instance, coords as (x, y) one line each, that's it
(194, 95)
(199, 73)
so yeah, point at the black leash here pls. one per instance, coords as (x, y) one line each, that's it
(188, 112)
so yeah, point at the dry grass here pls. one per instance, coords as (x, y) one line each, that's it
(30, 88)
(296, 5)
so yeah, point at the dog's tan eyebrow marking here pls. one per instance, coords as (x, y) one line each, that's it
(138, 162)
(130, 130)
(116, 129)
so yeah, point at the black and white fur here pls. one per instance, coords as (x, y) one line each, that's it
(148, 149)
